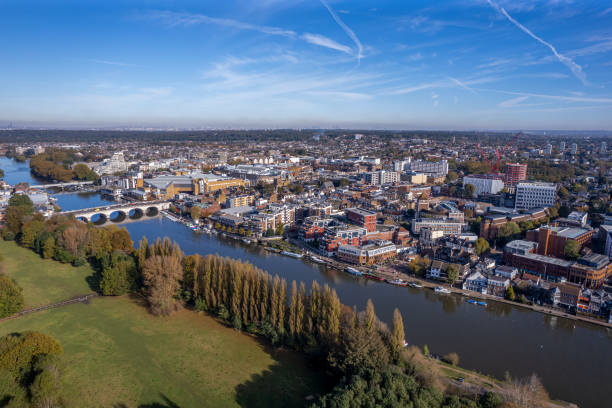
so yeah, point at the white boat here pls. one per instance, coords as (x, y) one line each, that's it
(441, 289)
(354, 271)
(246, 240)
(398, 282)
(416, 285)
(291, 254)
(316, 259)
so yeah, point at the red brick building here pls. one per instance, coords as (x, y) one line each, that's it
(363, 218)
(552, 240)
(515, 172)
(340, 235)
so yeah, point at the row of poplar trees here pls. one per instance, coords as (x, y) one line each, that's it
(249, 298)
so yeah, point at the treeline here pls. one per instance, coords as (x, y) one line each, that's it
(256, 135)
(54, 164)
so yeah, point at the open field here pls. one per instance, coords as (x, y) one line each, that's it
(121, 356)
(43, 281)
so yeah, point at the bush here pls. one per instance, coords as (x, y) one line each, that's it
(452, 359)
(80, 261)
(63, 256)
(200, 305)
(11, 297)
(8, 235)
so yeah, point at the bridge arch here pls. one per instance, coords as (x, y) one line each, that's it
(117, 216)
(99, 219)
(136, 213)
(152, 211)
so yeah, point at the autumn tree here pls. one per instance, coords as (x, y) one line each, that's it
(571, 249)
(161, 274)
(452, 274)
(481, 246)
(397, 334)
(11, 296)
(370, 317)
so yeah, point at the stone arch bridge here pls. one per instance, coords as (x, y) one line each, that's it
(119, 212)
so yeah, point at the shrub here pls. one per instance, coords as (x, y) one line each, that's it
(200, 305)
(80, 261)
(8, 235)
(11, 297)
(452, 358)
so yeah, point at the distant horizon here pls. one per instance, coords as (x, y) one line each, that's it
(384, 64)
(540, 132)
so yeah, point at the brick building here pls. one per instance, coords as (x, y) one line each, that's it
(363, 218)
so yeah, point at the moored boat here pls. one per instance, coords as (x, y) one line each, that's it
(398, 282)
(471, 301)
(440, 289)
(354, 271)
(291, 254)
(481, 303)
(316, 259)
(415, 284)
(373, 276)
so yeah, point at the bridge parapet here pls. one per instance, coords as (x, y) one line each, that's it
(140, 209)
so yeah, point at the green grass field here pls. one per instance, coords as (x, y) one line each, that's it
(121, 356)
(43, 281)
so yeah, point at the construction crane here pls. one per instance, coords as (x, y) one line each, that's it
(498, 154)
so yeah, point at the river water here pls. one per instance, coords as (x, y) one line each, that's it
(574, 359)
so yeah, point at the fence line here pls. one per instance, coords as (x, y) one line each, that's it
(76, 299)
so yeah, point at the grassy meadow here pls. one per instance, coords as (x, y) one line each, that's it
(121, 356)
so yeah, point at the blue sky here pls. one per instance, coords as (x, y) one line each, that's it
(468, 64)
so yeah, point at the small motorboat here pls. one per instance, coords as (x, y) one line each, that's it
(398, 282)
(354, 271)
(471, 301)
(440, 289)
(481, 303)
(291, 254)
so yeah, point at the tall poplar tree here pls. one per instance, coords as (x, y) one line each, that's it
(397, 334)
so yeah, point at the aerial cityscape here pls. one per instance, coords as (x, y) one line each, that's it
(306, 204)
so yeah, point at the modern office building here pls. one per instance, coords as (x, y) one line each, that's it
(573, 148)
(381, 177)
(484, 184)
(435, 169)
(447, 226)
(535, 195)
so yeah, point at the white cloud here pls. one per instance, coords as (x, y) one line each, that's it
(173, 19)
(575, 68)
(510, 103)
(346, 29)
(323, 41)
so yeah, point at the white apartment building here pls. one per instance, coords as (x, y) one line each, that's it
(436, 169)
(381, 177)
(535, 195)
(447, 226)
(484, 185)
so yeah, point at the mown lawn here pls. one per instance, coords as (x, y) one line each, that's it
(121, 356)
(43, 281)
